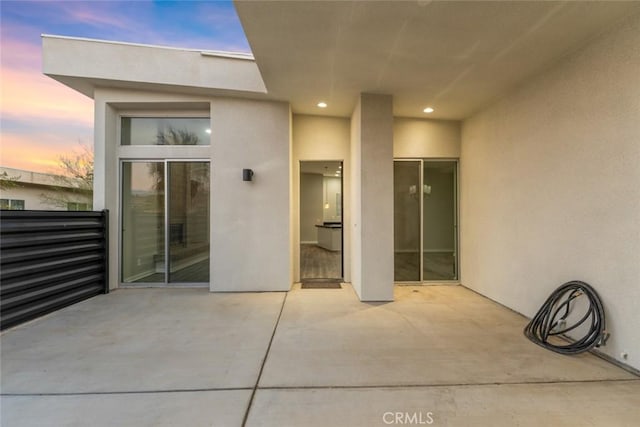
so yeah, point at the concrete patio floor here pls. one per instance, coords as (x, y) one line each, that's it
(438, 355)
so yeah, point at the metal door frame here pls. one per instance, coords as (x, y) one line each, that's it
(341, 161)
(456, 217)
(165, 283)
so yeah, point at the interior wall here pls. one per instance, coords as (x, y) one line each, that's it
(311, 206)
(551, 187)
(250, 245)
(320, 138)
(437, 213)
(331, 192)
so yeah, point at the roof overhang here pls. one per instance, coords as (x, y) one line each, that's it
(85, 64)
(455, 56)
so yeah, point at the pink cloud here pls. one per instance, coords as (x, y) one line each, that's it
(31, 95)
(35, 152)
(96, 14)
(32, 102)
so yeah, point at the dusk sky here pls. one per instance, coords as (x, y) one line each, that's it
(42, 119)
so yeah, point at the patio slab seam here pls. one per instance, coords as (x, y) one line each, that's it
(327, 387)
(264, 360)
(98, 393)
(476, 384)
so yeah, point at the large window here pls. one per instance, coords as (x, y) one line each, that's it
(165, 131)
(12, 204)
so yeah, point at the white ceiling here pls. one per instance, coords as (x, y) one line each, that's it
(455, 56)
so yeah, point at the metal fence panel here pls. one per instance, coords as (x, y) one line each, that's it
(49, 260)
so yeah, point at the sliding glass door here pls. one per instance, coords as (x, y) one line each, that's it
(425, 220)
(165, 222)
(439, 220)
(406, 210)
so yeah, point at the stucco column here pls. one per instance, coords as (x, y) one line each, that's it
(372, 197)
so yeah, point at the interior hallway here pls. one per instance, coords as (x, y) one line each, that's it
(149, 357)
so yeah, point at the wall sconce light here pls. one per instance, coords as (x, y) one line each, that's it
(247, 175)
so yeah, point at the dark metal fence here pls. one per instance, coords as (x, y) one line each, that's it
(49, 260)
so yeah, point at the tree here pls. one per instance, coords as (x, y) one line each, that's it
(74, 183)
(170, 136)
(173, 136)
(7, 182)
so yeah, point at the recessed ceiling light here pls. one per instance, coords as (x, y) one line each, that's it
(208, 131)
(322, 104)
(340, 166)
(428, 110)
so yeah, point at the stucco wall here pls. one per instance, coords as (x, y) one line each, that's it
(424, 138)
(372, 197)
(32, 197)
(250, 238)
(551, 187)
(321, 138)
(250, 242)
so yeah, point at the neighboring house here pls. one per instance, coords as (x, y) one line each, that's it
(28, 190)
(534, 135)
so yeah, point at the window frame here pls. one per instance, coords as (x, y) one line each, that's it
(186, 114)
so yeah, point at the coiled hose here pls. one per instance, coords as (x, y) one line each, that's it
(550, 320)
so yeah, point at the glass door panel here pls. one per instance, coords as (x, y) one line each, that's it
(406, 203)
(165, 239)
(439, 220)
(143, 220)
(188, 227)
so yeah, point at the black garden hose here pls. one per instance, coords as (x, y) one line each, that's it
(550, 320)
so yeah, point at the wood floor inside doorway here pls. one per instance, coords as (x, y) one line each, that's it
(319, 263)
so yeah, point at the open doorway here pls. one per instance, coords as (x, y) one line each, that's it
(321, 231)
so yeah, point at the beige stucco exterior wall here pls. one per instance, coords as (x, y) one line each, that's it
(250, 238)
(321, 138)
(150, 68)
(33, 188)
(551, 187)
(372, 197)
(424, 138)
(250, 242)
(110, 104)
(31, 195)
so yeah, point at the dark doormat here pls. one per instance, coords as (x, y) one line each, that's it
(325, 284)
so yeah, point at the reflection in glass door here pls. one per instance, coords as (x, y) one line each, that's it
(425, 220)
(439, 220)
(188, 222)
(165, 222)
(406, 211)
